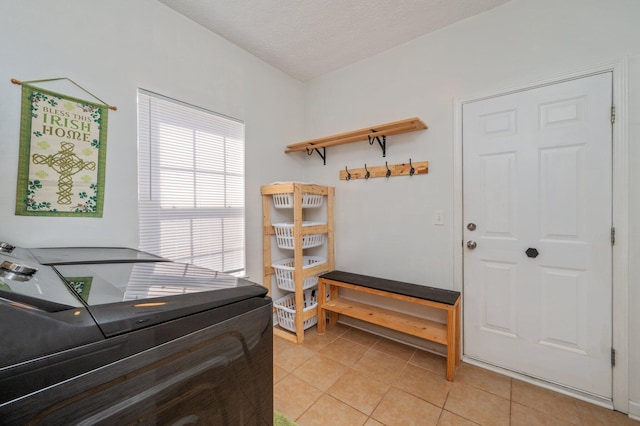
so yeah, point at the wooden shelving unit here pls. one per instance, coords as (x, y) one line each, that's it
(299, 274)
(367, 133)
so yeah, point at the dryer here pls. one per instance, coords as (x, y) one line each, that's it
(110, 336)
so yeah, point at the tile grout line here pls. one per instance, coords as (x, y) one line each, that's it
(325, 392)
(378, 404)
(457, 414)
(309, 407)
(445, 400)
(370, 416)
(322, 392)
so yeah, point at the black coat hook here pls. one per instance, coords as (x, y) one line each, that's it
(388, 171)
(412, 170)
(367, 174)
(348, 174)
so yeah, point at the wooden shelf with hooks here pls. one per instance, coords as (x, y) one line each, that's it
(368, 133)
(404, 169)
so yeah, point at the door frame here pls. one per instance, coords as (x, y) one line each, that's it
(620, 215)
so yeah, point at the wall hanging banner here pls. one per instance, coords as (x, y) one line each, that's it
(63, 143)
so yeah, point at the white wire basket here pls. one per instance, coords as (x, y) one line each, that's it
(284, 272)
(284, 236)
(285, 201)
(286, 310)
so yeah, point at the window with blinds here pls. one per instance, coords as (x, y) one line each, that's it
(190, 184)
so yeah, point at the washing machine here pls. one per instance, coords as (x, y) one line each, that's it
(116, 336)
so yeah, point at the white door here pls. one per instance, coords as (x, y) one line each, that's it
(537, 204)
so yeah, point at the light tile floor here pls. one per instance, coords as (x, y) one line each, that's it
(350, 377)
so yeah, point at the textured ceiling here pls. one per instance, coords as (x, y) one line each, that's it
(308, 38)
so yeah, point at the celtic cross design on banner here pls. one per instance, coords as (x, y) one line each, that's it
(66, 163)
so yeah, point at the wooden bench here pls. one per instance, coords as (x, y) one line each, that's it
(446, 334)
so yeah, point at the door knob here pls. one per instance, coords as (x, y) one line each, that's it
(532, 252)
(471, 245)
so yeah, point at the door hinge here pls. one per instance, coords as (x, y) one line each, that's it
(613, 236)
(613, 114)
(613, 357)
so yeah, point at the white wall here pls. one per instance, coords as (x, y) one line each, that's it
(112, 48)
(385, 227)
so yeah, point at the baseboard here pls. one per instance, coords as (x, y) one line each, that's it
(634, 410)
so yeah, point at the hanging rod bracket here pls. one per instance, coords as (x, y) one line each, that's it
(382, 143)
(322, 154)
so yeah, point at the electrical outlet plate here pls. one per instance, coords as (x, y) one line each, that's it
(438, 217)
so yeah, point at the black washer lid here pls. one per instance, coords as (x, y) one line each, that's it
(126, 296)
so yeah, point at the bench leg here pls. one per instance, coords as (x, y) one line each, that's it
(333, 294)
(322, 316)
(451, 344)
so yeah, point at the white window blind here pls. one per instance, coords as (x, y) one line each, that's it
(190, 184)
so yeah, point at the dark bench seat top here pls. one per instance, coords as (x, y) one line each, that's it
(434, 294)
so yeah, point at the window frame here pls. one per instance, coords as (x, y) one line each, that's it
(152, 214)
